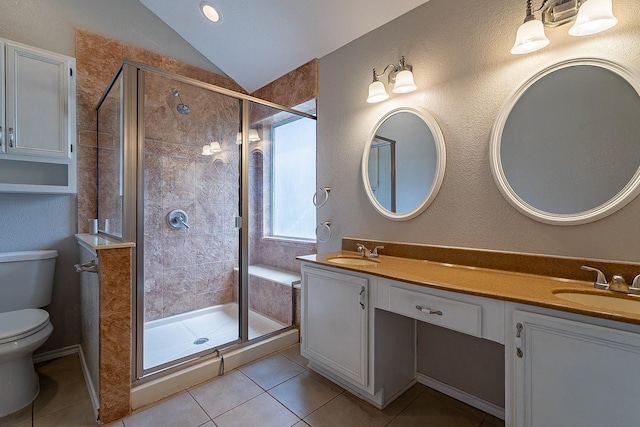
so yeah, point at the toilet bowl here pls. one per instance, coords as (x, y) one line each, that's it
(26, 280)
(21, 332)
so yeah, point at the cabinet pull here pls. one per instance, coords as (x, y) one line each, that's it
(362, 289)
(11, 137)
(519, 352)
(0, 136)
(428, 310)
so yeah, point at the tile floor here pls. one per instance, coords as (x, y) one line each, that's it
(174, 337)
(275, 391)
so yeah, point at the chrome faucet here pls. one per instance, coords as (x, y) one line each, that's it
(617, 284)
(366, 253)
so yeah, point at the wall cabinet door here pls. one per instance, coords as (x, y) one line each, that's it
(334, 322)
(37, 94)
(574, 374)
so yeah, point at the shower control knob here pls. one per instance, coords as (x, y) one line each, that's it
(178, 219)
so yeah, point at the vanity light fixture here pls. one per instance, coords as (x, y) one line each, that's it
(253, 136)
(590, 16)
(401, 76)
(209, 11)
(211, 149)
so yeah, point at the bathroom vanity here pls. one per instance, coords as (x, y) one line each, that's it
(566, 363)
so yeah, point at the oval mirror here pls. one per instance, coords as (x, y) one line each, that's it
(564, 149)
(403, 163)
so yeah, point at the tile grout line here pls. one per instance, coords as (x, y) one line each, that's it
(322, 406)
(407, 405)
(203, 410)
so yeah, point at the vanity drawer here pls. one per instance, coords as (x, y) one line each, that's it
(457, 315)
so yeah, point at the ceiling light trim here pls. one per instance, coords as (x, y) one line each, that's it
(210, 12)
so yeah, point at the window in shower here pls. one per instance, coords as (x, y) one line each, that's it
(293, 179)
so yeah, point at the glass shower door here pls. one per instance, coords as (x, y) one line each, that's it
(191, 244)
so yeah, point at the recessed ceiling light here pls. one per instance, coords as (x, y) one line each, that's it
(209, 11)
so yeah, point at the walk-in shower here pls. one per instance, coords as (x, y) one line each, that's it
(200, 278)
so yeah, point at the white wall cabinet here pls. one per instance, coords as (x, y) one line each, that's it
(37, 116)
(568, 373)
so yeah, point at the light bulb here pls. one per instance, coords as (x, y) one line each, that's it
(209, 11)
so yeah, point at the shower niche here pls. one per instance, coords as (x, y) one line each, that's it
(170, 144)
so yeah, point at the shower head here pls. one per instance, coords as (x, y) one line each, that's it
(181, 107)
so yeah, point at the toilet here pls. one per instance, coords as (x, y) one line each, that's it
(26, 283)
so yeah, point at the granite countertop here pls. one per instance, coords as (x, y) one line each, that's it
(507, 286)
(100, 242)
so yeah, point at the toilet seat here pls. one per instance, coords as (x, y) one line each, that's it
(18, 324)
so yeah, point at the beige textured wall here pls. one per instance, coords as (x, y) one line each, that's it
(464, 72)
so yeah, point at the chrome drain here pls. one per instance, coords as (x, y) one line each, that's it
(201, 341)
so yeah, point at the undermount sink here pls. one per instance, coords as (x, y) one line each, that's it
(605, 302)
(344, 260)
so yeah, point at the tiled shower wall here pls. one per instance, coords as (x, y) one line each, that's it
(191, 269)
(97, 60)
(188, 269)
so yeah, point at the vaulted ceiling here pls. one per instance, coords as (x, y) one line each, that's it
(258, 41)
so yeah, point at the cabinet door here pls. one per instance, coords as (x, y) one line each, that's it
(37, 91)
(334, 322)
(575, 374)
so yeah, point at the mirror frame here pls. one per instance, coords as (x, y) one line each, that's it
(617, 202)
(441, 161)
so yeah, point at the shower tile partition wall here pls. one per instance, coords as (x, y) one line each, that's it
(189, 269)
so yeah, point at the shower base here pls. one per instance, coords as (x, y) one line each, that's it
(185, 334)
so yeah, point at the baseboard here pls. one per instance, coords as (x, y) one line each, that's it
(67, 351)
(463, 396)
(55, 354)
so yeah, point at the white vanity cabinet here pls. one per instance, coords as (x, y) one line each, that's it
(335, 310)
(37, 120)
(571, 373)
(369, 352)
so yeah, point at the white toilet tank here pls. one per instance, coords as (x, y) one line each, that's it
(26, 279)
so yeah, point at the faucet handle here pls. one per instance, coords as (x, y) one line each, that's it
(601, 280)
(635, 285)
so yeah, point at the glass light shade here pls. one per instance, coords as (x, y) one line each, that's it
(214, 147)
(253, 135)
(530, 37)
(594, 16)
(206, 150)
(377, 92)
(404, 82)
(209, 11)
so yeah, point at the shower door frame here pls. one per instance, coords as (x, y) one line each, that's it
(133, 81)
